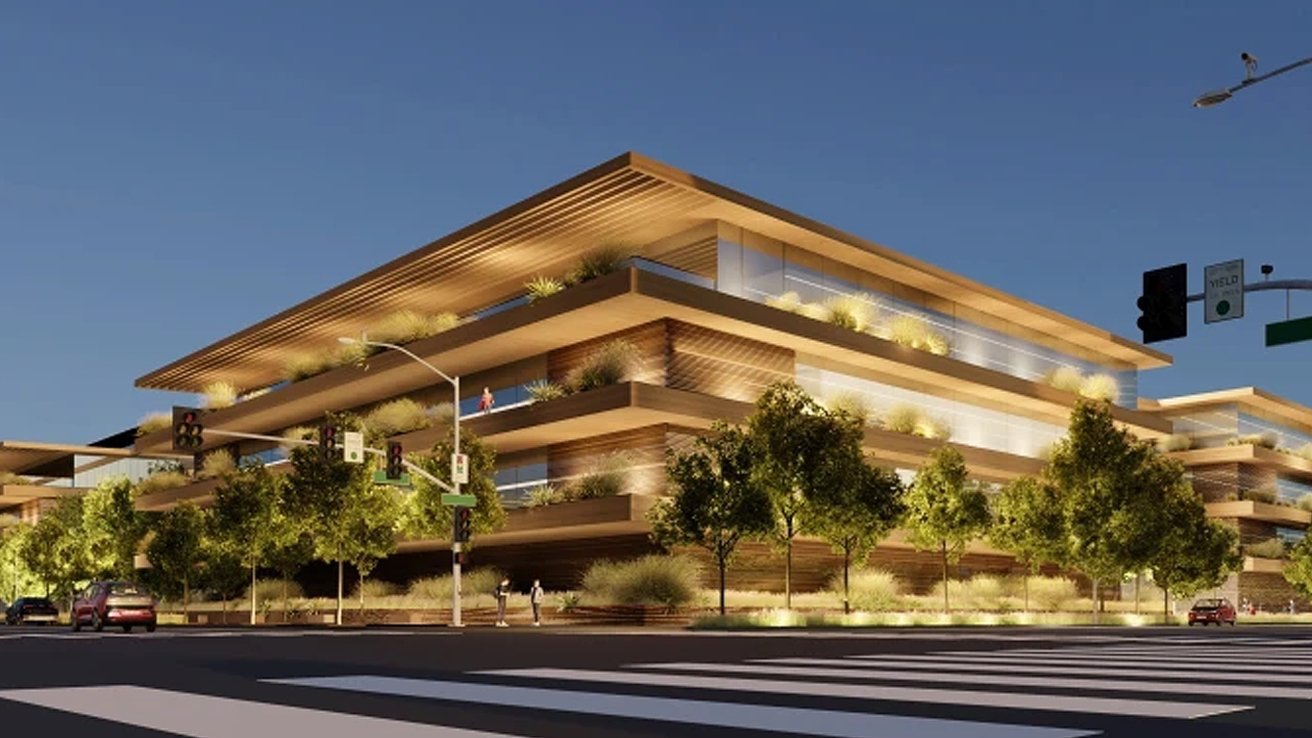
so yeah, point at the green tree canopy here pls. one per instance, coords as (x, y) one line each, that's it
(1298, 569)
(797, 439)
(175, 549)
(1028, 523)
(857, 506)
(718, 499)
(57, 549)
(113, 527)
(246, 516)
(945, 509)
(16, 579)
(424, 514)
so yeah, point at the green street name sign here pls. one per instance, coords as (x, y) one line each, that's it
(1289, 331)
(380, 477)
(459, 500)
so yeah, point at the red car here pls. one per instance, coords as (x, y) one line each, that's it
(1217, 611)
(114, 603)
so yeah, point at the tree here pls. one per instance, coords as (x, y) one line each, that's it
(56, 550)
(320, 492)
(1298, 567)
(797, 438)
(945, 510)
(175, 550)
(426, 517)
(292, 549)
(718, 499)
(1028, 522)
(113, 527)
(1198, 555)
(15, 576)
(1111, 495)
(245, 516)
(371, 522)
(859, 505)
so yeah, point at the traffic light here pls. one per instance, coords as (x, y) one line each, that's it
(395, 460)
(328, 442)
(187, 429)
(464, 520)
(1165, 292)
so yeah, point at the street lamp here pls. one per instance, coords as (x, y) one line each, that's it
(363, 340)
(1216, 97)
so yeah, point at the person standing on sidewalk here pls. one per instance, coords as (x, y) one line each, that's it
(535, 595)
(502, 593)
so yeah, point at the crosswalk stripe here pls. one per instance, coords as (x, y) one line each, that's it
(978, 698)
(204, 716)
(1248, 654)
(830, 723)
(1077, 661)
(948, 664)
(997, 680)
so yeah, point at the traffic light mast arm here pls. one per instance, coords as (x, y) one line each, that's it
(300, 442)
(1274, 284)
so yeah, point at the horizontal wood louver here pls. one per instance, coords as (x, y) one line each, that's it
(698, 257)
(703, 360)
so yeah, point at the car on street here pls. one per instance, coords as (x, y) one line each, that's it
(31, 610)
(124, 604)
(1215, 610)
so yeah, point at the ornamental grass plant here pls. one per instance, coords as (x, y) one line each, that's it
(669, 581)
(216, 395)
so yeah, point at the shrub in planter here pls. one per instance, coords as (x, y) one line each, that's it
(543, 495)
(8, 477)
(1265, 440)
(1176, 442)
(1102, 387)
(935, 429)
(1066, 378)
(611, 364)
(599, 263)
(854, 404)
(215, 395)
(902, 419)
(216, 464)
(162, 479)
(1265, 493)
(1052, 593)
(540, 287)
(790, 301)
(544, 391)
(813, 310)
(869, 589)
(407, 326)
(671, 581)
(154, 422)
(397, 416)
(605, 477)
(854, 312)
(1271, 548)
(375, 588)
(473, 582)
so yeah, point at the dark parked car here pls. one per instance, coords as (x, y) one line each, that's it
(1212, 611)
(31, 610)
(114, 603)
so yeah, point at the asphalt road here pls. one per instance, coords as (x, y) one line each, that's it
(574, 683)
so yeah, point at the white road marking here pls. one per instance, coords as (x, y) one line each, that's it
(997, 680)
(1001, 657)
(978, 698)
(949, 664)
(832, 723)
(203, 716)
(1247, 654)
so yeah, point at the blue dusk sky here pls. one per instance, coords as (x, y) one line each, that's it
(155, 155)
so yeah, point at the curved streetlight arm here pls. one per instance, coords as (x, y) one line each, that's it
(394, 347)
(1208, 99)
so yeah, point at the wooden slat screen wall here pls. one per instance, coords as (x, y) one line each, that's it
(649, 339)
(703, 360)
(699, 257)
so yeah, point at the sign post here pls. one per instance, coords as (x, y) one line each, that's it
(1223, 291)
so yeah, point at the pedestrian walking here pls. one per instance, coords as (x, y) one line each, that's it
(486, 402)
(502, 593)
(535, 595)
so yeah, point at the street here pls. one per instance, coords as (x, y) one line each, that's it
(392, 683)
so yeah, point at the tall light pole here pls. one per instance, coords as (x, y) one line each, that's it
(456, 545)
(1216, 97)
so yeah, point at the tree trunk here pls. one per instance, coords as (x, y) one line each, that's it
(943, 546)
(1026, 581)
(1166, 606)
(723, 565)
(339, 591)
(788, 568)
(186, 596)
(1095, 600)
(252, 594)
(362, 575)
(1138, 577)
(284, 597)
(847, 565)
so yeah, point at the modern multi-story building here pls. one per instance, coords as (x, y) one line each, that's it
(1249, 454)
(724, 294)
